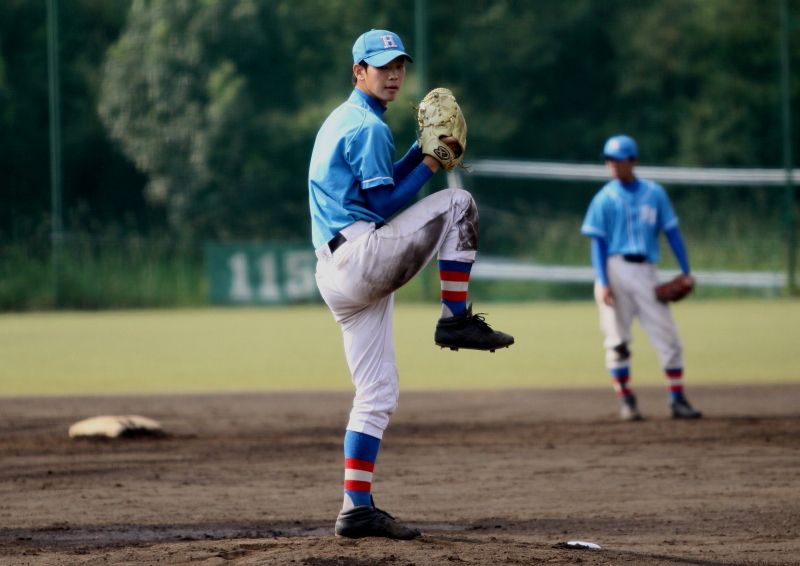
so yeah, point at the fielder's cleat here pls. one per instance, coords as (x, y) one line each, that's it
(368, 521)
(470, 332)
(628, 411)
(681, 409)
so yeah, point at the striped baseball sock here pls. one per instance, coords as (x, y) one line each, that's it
(620, 377)
(360, 453)
(675, 383)
(455, 281)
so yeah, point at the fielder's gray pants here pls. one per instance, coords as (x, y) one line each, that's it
(633, 286)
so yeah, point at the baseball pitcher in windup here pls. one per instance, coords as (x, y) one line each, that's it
(354, 187)
(624, 220)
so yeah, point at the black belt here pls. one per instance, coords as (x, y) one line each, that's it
(339, 239)
(634, 258)
(336, 241)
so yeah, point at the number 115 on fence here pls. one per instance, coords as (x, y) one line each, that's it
(266, 274)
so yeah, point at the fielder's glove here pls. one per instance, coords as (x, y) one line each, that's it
(440, 116)
(676, 289)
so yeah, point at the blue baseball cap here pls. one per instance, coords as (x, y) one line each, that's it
(620, 147)
(378, 47)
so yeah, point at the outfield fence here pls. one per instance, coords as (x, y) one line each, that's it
(498, 269)
(591, 172)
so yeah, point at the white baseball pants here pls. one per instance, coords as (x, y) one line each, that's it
(633, 286)
(358, 284)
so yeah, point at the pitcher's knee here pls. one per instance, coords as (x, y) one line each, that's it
(460, 196)
(466, 220)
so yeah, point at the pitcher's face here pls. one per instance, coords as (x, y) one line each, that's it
(381, 83)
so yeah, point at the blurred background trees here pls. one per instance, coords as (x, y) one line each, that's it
(195, 119)
(102, 185)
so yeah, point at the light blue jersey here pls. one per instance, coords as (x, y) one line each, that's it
(354, 150)
(629, 220)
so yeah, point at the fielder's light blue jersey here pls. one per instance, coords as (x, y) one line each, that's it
(629, 221)
(354, 150)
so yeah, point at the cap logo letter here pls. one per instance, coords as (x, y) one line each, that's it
(388, 41)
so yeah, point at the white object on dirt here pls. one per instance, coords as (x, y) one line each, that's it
(115, 426)
(582, 544)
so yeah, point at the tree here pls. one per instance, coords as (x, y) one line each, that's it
(218, 103)
(98, 180)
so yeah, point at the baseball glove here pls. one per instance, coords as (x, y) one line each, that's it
(440, 116)
(676, 289)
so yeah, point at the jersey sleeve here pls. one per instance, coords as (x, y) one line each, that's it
(667, 219)
(370, 155)
(600, 259)
(594, 222)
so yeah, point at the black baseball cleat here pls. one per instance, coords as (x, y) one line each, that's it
(368, 521)
(470, 332)
(628, 411)
(681, 409)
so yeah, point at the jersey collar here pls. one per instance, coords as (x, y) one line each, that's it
(376, 106)
(631, 193)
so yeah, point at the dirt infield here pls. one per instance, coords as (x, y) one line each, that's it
(490, 477)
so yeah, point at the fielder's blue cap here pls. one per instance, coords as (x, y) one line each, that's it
(378, 47)
(620, 147)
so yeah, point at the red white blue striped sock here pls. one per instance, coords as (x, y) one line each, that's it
(360, 453)
(454, 276)
(675, 383)
(621, 377)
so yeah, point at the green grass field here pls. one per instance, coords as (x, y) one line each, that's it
(299, 348)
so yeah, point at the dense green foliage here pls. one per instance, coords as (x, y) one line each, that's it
(194, 119)
(100, 184)
(215, 104)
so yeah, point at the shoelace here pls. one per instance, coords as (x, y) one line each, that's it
(372, 502)
(384, 512)
(481, 323)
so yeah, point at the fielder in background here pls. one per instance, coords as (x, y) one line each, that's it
(624, 220)
(354, 186)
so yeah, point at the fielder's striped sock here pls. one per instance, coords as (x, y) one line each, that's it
(675, 383)
(620, 377)
(455, 281)
(360, 453)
